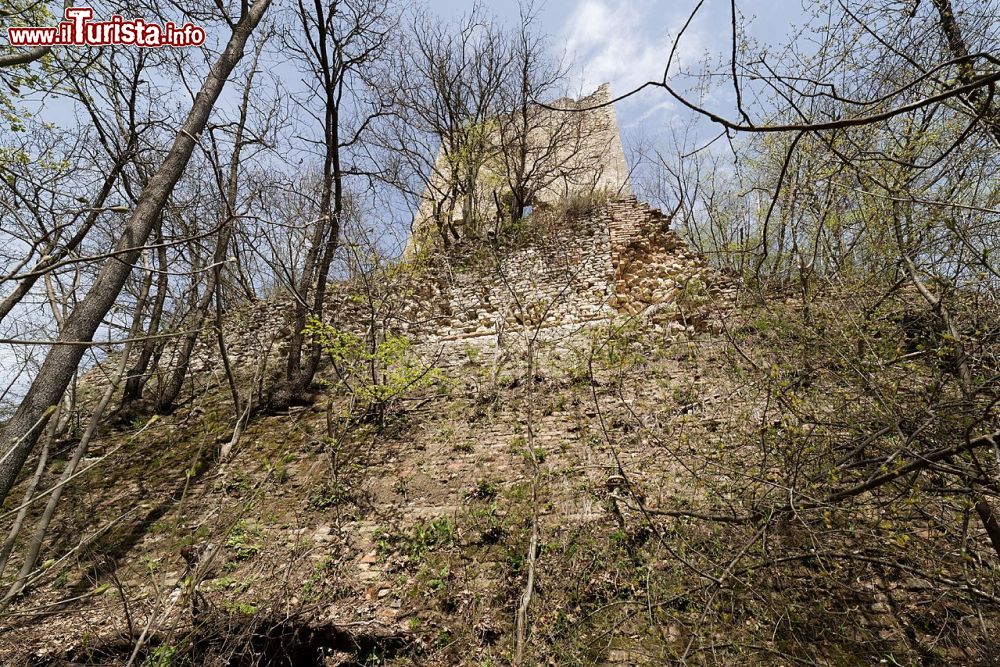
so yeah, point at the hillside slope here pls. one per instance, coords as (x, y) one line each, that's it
(608, 459)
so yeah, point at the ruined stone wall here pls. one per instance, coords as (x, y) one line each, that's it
(620, 259)
(556, 286)
(565, 276)
(655, 272)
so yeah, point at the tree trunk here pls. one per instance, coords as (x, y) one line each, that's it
(979, 99)
(136, 379)
(165, 401)
(311, 292)
(990, 522)
(21, 433)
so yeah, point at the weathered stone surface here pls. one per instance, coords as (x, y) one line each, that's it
(485, 304)
(570, 153)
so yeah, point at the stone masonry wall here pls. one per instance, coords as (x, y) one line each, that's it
(656, 273)
(550, 289)
(618, 260)
(573, 274)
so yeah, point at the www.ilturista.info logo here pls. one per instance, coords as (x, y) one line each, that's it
(79, 30)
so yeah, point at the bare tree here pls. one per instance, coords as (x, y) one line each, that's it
(539, 150)
(342, 40)
(447, 82)
(227, 183)
(21, 432)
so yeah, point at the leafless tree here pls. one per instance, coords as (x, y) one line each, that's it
(232, 208)
(538, 150)
(447, 81)
(342, 40)
(23, 429)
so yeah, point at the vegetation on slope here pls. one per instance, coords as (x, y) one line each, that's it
(764, 495)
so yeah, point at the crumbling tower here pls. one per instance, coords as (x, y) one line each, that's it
(576, 150)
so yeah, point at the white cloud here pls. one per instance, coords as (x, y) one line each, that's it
(627, 43)
(621, 41)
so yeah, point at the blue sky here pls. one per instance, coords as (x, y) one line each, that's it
(626, 42)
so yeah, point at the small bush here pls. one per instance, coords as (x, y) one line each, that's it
(582, 203)
(377, 370)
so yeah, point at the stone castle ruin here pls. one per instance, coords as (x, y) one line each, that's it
(578, 267)
(518, 161)
(612, 257)
(558, 284)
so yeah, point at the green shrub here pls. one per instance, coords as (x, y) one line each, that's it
(376, 370)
